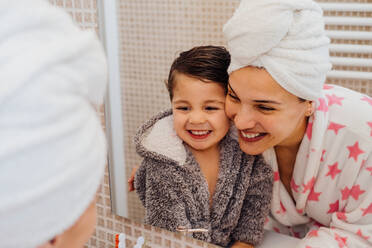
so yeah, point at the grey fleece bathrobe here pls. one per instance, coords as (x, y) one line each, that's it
(175, 193)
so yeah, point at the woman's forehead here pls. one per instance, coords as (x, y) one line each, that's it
(257, 85)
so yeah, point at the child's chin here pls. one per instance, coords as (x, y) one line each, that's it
(198, 147)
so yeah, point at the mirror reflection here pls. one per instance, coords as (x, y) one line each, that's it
(291, 69)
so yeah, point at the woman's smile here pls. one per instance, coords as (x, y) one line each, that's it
(251, 137)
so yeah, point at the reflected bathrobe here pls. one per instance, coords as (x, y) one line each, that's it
(332, 177)
(175, 193)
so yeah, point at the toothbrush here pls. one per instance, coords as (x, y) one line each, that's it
(120, 240)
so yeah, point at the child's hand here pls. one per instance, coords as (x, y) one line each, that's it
(131, 179)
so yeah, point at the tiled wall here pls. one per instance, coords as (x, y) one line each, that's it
(152, 33)
(84, 12)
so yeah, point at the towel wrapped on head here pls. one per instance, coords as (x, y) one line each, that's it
(286, 37)
(53, 149)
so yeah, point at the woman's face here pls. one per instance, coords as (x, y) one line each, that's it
(78, 234)
(265, 114)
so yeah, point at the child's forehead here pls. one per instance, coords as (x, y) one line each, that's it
(198, 92)
(184, 81)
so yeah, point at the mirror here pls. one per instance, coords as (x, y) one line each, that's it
(142, 40)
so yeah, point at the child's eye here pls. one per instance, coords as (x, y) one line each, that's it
(210, 108)
(182, 108)
(265, 108)
(232, 96)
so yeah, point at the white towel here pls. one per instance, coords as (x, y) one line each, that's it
(52, 147)
(286, 37)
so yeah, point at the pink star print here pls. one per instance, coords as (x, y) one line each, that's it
(355, 151)
(359, 233)
(313, 196)
(355, 192)
(340, 240)
(341, 216)
(345, 193)
(322, 158)
(312, 233)
(335, 127)
(333, 99)
(369, 169)
(333, 170)
(367, 210)
(276, 176)
(309, 130)
(294, 186)
(308, 185)
(333, 207)
(327, 87)
(296, 234)
(367, 99)
(282, 209)
(363, 164)
(322, 105)
(318, 224)
(370, 125)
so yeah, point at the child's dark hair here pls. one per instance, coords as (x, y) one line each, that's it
(206, 63)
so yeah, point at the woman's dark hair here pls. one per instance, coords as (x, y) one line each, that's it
(206, 63)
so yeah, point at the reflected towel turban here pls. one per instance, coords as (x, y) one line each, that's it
(286, 37)
(52, 146)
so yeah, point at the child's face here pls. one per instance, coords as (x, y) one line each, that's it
(199, 112)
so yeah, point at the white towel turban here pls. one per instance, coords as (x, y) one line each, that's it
(286, 37)
(52, 147)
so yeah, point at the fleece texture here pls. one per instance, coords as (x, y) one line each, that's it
(175, 193)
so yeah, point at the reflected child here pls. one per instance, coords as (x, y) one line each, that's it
(193, 174)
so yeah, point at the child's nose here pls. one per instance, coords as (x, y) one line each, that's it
(197, 117)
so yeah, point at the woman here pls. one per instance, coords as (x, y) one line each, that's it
(316, 137)
(52, 148)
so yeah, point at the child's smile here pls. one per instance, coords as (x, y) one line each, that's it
(199, 134)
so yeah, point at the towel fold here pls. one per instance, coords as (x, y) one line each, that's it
(286, 37)
(52, 149)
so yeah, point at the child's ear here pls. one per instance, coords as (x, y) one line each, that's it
(53, 243)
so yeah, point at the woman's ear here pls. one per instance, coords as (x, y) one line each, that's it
(310, 108)
(53, 243)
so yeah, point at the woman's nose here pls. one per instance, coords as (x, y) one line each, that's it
(244, 119)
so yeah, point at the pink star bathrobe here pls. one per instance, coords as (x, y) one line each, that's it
(332, 178)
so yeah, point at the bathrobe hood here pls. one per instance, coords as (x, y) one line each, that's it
(158, 139)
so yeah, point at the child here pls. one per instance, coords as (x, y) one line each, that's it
(194, 175)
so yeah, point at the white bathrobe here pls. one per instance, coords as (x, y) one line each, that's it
(332, 178)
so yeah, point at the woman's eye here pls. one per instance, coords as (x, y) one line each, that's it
(232, 96)
(265, 108)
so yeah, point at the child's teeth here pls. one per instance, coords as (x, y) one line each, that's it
(250, 135)
(199, 132)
